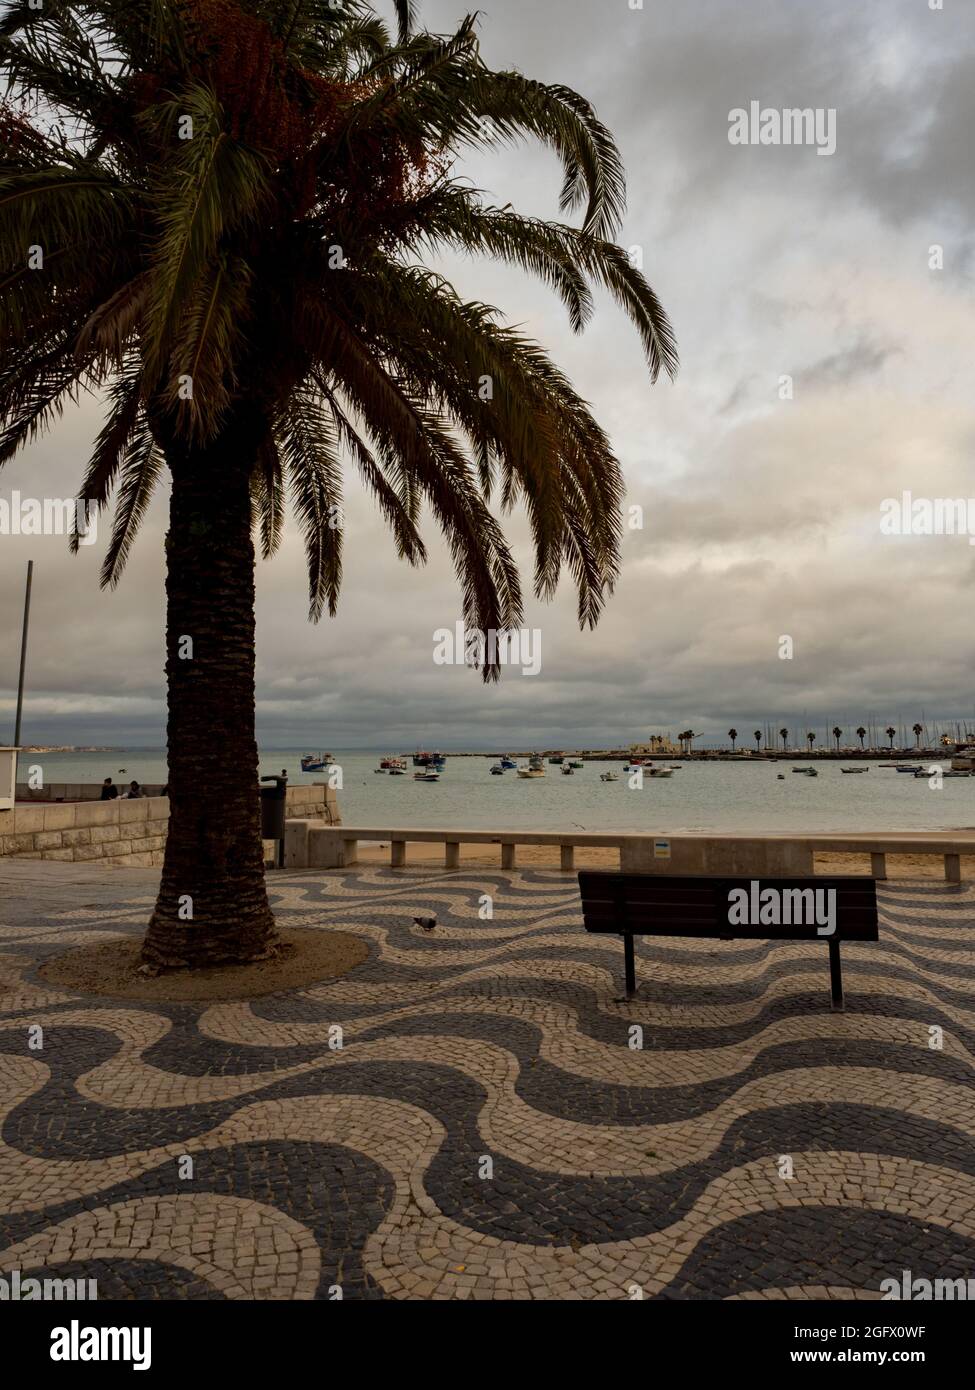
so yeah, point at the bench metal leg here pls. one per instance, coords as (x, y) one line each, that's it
(835, 977)
(629, 971)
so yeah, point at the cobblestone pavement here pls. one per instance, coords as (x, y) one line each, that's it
(488, 1128)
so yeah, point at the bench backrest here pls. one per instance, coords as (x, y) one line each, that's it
(671, 905)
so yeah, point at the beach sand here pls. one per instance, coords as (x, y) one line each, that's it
(547, 857)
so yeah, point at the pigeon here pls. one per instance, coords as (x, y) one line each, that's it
(427, 923)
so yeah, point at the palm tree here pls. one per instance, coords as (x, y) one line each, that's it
(784, 736)
(918, 730)
(891, 733)
(837, 735)
(733, 734)
(861, 735)
(234, 197)
(757, 736)
(810, 739)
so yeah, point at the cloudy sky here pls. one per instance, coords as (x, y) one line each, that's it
(761, 514)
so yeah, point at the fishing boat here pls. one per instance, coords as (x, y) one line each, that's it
(424, 759)
(497, 770)
(531, 772)
(557, 758)
(576, 763)
(508, 762)
(397, 772)
(609, 777)
(908, 767)
(852, 771)
(388, 764)
(567, 770)
(316, 762)
(427, 775)
(660, 772)
(806, 771)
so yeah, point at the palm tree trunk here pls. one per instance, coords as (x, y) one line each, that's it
(212, 906)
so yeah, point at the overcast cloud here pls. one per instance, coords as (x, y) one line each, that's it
(761, 513)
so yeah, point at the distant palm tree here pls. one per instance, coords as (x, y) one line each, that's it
(861, 735)
(837, 734)
(732, 734)
(810, 739)
(918, 731)
(237, 202)
(891, 733)
(757, 736)
(784, 736)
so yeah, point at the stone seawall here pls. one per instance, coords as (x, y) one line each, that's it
(121, 832)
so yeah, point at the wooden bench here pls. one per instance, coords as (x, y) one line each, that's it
(631, 905)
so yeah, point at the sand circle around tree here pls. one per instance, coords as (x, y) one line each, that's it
(110, 968)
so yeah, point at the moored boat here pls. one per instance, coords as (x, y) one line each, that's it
(422, 758)
(609, 777)
(316, 762)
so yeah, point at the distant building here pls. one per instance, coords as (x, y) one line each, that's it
(659, 744)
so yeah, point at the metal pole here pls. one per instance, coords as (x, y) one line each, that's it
(23, 654)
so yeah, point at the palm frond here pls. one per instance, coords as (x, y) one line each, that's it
(138, 474)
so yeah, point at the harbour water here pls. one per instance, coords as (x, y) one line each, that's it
(744, 798)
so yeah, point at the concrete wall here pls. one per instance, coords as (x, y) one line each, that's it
(114, 832)
(121, 832)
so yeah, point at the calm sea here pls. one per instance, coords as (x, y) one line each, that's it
(719, 797)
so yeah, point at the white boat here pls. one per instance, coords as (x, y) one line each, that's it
(426, 777)
(609, 777)
(567, 770)
(531, 772)
(660, 772)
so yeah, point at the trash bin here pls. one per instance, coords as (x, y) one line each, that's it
(272, 813)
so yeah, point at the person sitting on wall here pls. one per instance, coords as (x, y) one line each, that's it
(109, 790)
(135, 791)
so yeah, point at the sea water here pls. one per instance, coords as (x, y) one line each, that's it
(730, 798)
